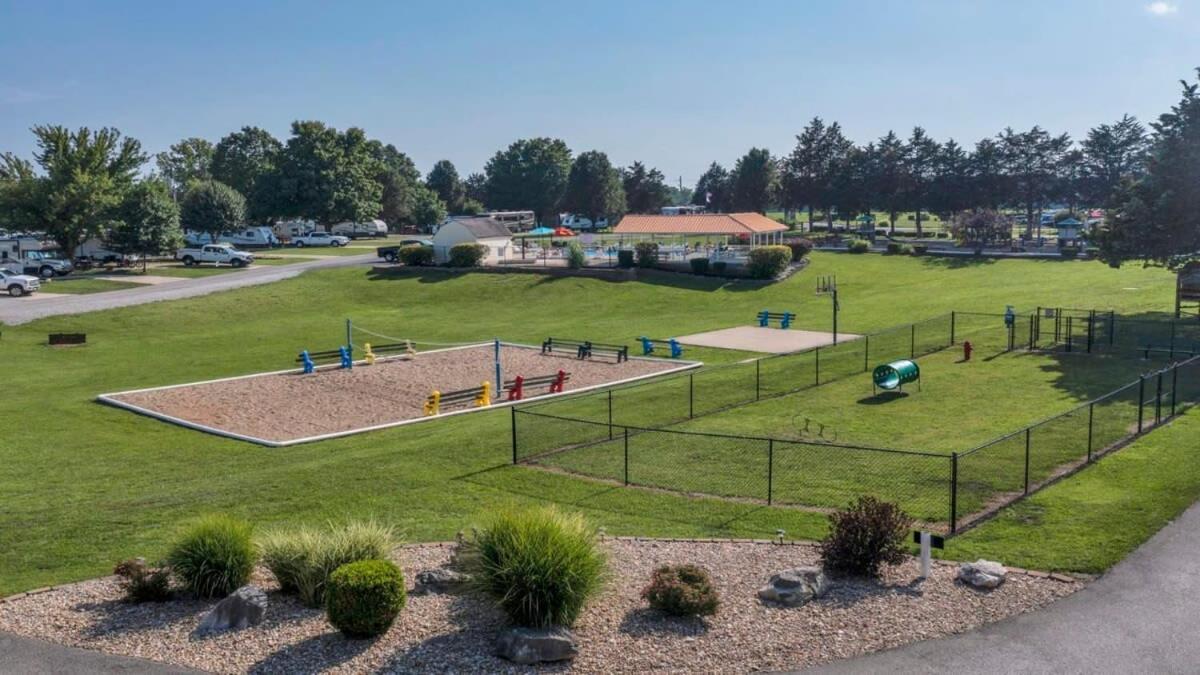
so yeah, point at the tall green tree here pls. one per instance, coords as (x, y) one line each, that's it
(1032, 161)
(211, 207)
(427, 209)
(529, 174)
(85, 176)
(475, 188)
(329, 176)
(246, 160)
(713, 189)
(147, 221)
(443, 179)
(594, 188)
(1112, 153)
(755, 181)
(1154, 218)
(920, 165)
(949, 191)
(646, 190)
(186, 161)
(887, 173)
(986, 178)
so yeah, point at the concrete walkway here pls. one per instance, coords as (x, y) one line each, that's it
(1140, 617)
(14, 311)
(35, 657)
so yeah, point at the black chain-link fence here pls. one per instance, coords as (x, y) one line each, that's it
(619, 434)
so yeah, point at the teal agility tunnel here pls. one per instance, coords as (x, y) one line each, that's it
(896, 374)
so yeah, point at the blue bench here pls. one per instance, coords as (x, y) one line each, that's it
(784, 318)
(648, 345)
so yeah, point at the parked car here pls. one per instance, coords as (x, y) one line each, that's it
(392, 253)
(374, 228)
(320, 239)
(17, 284)
(214, 253)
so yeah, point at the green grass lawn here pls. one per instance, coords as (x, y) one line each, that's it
(82, 285)
(85, 484)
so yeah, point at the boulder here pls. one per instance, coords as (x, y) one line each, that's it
(441, 580)
(982, 574)
(243, 608)
(795, 587)
(527, 646)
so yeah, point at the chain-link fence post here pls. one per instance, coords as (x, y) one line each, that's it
(1141, 400)
(953, 492)
(1091, 329)
(912, 342)
(1158, 393)
(610, 426)
(1174, 387)
(1070, 333)
(770, 471)
(866, 353)
(691, 396)
(626, 455)
(757, 378)
(1028, 437)
(1091, 417)
(953, 321)
(817, 359)
(513, 410)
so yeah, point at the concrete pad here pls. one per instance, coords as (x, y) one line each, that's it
(764, 340)
(148, 279)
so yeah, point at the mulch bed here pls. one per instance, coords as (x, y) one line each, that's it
(288, 406)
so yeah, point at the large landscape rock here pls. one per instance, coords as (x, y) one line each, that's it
(441, 580)
(982, 574)
(528, 646)
(795, 587)
(243, 608)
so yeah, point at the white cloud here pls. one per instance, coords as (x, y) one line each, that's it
(1162, 8)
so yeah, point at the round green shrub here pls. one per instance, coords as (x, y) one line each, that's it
(699, 266)
(624, 258)
(540, 565)
(214, 556)
(893, 247)
(858, 246)
(647, 253)
(467, 255)
(800, 247)
(767, 262)
(416, 255)
(682, 590)
(363, 598)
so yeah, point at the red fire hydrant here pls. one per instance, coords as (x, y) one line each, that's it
(967, 349)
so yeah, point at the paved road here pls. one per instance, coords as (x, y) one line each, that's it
(35, 657)
(15, 311)
(1141, 617)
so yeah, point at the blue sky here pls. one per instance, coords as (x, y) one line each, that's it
(674, 84)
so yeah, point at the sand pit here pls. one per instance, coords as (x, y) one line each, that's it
(764, 340)
(289, 407)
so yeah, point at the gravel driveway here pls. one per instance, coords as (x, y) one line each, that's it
(15, 311)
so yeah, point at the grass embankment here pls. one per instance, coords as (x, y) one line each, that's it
(85, 485)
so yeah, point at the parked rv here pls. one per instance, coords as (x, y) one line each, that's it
(250, 237)
(374, 228)
(27, 253)
(287, 230)
(578, 223)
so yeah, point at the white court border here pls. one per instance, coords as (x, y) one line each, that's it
(110, 398)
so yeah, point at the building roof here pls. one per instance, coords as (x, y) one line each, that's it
(699, 223)
(483, 227)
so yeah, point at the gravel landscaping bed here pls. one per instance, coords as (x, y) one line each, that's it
(288, 406)
(617, 632)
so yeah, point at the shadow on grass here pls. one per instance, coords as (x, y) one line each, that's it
(882, 398)
(955, 262)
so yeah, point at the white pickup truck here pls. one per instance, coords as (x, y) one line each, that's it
(16, 284)
(220, 254)
(320, 239)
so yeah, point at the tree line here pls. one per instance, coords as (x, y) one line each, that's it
(88, 183)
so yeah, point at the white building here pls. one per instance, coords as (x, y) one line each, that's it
(480, 230)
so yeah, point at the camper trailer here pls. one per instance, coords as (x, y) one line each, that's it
(374, 228)
(250, 237)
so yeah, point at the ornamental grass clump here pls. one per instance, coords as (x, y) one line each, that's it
(682, 590)
(142, 582)
(214, 556)
(540, 565)
(864, 537)
(303, 559)
(365, 597)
